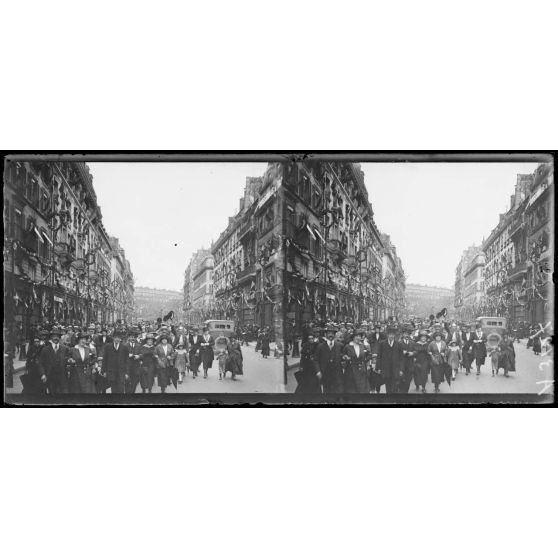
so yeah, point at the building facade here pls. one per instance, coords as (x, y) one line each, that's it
(202, 291)
(473, 286)
(425, 300)
(151, 304)
(393, 278)
(58, 258)
(336, 265)
(188, 288)
(234, 255)
(519, 252)
(466, 258)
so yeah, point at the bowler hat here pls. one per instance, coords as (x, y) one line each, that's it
(82, 335)
(55, 331)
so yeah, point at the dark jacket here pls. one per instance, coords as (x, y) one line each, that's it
(53, 365)
(328, 362)
(390, 359)
(134, 363)
(115, 363)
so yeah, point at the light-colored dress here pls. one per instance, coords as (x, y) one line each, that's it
(181, 361)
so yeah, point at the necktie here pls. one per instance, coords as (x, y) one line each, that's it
(56, 347)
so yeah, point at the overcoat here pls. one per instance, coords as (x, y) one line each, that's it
(134, 363)
(81, 376)
(148, 367)
(438, 361)
(467, 349)
(115, 366)
(422, 363)
(329, 363)
(390, 364)
(479, 348)
(164, 364)
(32, 383)
(356, 374)
(206, 351)
(53, 365)
(507, 355)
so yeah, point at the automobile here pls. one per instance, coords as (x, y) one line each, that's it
(220, 328)
(493, 327)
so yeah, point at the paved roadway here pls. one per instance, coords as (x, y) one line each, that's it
(530, 369)
(260, 376)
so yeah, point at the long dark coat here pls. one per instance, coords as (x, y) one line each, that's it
(479, 349)
(164, 364)
(81, 377)
(133, 366)
(422, 364)
(507, 356)
(234, 360)
(356, 374)
(206, 352)
(32, 383)
(467, 349)
(438, 361)
(265, 345)
(390, 364)
(408, 349)
(329, 363)
(53, 365)
(148, 367)
(115, 366)
(194, 352)
(306, 377)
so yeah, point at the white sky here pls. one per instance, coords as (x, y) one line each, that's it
(163, 212)
(434, 211)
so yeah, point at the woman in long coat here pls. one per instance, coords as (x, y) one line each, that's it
(234, 360)
(165, 361)
(32, 383)
(507, 355)
(148, 364)
(422, 362)
(308, 381)
(356, 358)
(265, 344)
(437, 351)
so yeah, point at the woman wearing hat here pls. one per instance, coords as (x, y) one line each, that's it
(234, 362)
(31, 380)
(164, 354)
(181, 361)
(356, 356)
(454, 357)
(148, 364)
(437, 351)
(307, 376)
(81, 360)
(507, 355)
(422, 361)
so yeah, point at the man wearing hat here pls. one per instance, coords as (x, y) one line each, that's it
(206, 351)
(134, 356)
(52, 364)
(101, 340)
(194, 341)
(115, 363)
(467, 348)
(375, 338)
(328, 355)
(479, 347)
(31, 380)
(390, 362)
(408, 348)
(80, 360)
(180, 338)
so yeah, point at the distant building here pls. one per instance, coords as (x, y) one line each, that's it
(151, 304)
(424, 300)
(202, 294)
(188, 288)
(462, 266)
(473, 286)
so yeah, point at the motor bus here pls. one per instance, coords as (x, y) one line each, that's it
(220, 328)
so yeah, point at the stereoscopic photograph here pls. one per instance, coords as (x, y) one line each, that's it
(291, 278)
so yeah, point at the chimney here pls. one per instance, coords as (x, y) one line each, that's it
(240, 204)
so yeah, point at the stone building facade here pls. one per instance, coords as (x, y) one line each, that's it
(59, 262)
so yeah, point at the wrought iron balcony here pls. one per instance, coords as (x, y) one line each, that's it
(248, 271)
(517, 270)
(517, 225)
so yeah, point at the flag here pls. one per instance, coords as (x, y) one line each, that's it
(310, 231)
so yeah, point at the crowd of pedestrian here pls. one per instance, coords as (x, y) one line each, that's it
(122, 359)
(366, 358)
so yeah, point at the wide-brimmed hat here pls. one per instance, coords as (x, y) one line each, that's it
(391, 330)
(331, 327)
(423, 333)
(82, 335)
(119, 333)
(55, 331)
(150, 336)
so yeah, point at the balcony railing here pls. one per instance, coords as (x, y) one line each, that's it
(517, 225)
(517, 269)
(245, 229)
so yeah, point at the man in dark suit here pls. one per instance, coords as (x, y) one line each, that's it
(134, 356)
(180, 338)
(115, 363)
(375, 338)
(101, 340)
(328, 355)
(479, 347)
(467, 348)
(194, 341)
(390, 362)
(408, 350)
(52, 364)
(206, 351)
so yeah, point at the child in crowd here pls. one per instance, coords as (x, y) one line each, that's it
(181, 361)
